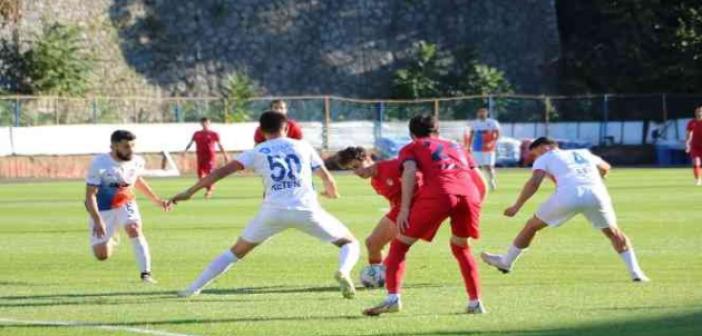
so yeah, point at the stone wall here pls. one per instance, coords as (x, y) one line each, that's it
(340, 47)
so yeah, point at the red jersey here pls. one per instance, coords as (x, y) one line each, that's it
(387, 181)
(696, 127)
(294, 132)
(205, 144)
(444, 166)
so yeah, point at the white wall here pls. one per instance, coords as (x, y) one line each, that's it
(5, 141)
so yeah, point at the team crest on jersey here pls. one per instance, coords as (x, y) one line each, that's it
(264, 150)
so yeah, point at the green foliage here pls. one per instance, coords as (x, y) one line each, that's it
(434, 73)
(58, 64)
(237, 89)
(631, 46)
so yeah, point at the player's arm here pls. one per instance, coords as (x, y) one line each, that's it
(530, 188)
(469, 140)
(409, 180)
(479, 180)
(145, 189)
(220, 173)
(688, 141)
(92, 207)
(224, 153)
(604, 168)
(330, 190)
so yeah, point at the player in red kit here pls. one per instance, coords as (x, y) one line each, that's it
(448, 191)
(294, 129)
(205, 140)
(693, 144)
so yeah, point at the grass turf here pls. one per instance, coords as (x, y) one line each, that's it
(569, 283)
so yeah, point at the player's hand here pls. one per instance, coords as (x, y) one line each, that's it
(511, 211)
(331, 194)
(184, 196)
(687, 149)
(99, 229)
(403, 220)
(166, 205)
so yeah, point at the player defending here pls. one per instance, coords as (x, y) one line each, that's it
(294, 129)
(111, 204)
(448, 192)
(205, 140)
(579, 190)
(481, 141)
(693, 144)
(286, 166)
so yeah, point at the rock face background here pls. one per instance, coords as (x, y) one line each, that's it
(341, 47)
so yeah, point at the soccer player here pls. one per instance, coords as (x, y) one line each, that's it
(386, 179)
(579, 190)
(205, 140)
(286, 166)
(111, 203)
(294, 129)
(448, 192)
(481, 141)
(693, 144)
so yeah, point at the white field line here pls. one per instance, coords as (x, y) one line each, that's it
(90, 326)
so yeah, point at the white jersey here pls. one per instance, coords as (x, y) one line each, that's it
(286, 167)
(114, 179)
(571, 168)
(484, 134)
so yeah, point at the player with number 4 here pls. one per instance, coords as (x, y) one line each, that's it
(579, 190)
(286, 166)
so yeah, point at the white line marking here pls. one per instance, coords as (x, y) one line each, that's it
(91, 326)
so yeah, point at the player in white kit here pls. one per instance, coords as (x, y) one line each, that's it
(286, 166)
(111, 204)
(579, 190)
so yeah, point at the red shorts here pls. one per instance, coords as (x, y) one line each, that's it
(392, 214)
(427, 214)
(204, 168)
(695, 152)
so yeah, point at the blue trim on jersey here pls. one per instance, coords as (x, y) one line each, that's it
(478, 141)
(105, 196)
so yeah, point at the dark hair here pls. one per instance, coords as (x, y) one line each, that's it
(345, 156)
(275, 102)
(203, 119)
(423, 125)
(272, 122)
(543, 141)
(119, 135)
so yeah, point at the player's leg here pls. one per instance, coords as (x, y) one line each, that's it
(266, 224)
(322, 225)
(465, 224)
(382, 234)
(133, 227)
(697, 166)
(205, 168)
(489, 168)
(103, 246)
(602, 216)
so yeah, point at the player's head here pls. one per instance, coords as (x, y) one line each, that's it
(482, 113)
(279, 105)
(122, 144)
(273, 124)
(542, 145)
(423, 125)
(356, 159)
(698, 113)
(205, 123)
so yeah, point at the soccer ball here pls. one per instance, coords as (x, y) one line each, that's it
(373, 276)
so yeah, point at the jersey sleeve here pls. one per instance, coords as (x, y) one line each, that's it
(216, 136)
(93, 176)
(540, 164)
(496, 125)
(140, 165)
(315, 160)
(258, 136)
(691, 125)
(294, 130)
(596, 159)
(247, 159)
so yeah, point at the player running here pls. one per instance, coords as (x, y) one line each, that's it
(111, 203)
(386, 179)
(294, 129)
(579, 190)
(481, 141)
(693, 144)
(205, 140)
(286, 166)
(448, 192)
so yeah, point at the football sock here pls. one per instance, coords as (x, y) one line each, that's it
(696, 170)
(392, 297)
(348, 256)
(511, 256)
(218, 266)
(395, 266)
(632, 264)
(469, 270)
(141, 253)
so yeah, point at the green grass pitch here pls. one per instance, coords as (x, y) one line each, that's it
(570, 282)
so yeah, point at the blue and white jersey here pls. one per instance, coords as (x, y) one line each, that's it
(571, 168)
(114, 179)
(286, 166)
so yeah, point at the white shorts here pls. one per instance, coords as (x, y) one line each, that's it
(484, 158)
(317, 223)
(593, 202)
(114, 219)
